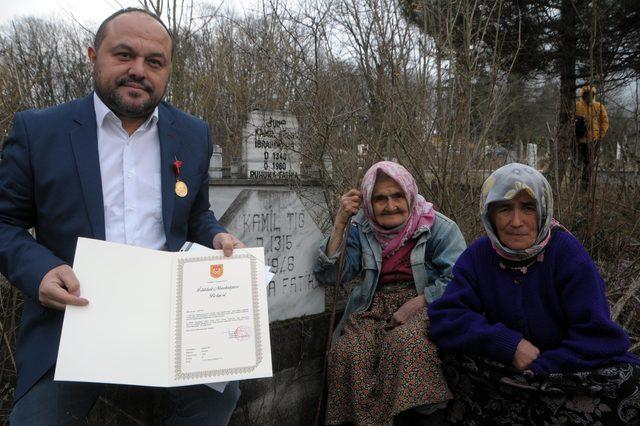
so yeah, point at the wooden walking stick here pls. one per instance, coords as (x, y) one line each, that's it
(332, 318)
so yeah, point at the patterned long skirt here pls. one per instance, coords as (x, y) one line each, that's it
(489, 393)
(374, 374)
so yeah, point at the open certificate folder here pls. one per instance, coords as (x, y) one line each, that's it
(165, 319)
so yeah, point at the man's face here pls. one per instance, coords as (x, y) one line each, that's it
(587, 96)
(132, 66)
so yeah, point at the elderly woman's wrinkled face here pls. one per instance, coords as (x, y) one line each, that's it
(390, 205)
(516, 221)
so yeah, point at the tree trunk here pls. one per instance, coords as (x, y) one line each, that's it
(567, 67)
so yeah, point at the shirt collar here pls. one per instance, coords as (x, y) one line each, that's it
(103, 113)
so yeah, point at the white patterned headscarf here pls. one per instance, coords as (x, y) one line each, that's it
(504, 184)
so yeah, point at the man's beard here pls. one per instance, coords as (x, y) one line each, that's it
(116, 102)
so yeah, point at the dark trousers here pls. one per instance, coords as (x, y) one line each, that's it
(68, 403)
(584, 156)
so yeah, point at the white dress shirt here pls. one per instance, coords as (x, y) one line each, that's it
(130, 174)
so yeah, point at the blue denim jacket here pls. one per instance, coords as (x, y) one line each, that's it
(432, 260)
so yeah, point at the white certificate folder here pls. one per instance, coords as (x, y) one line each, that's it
(165, 319)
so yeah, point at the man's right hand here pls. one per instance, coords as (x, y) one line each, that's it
(525, 354)
(59, 288)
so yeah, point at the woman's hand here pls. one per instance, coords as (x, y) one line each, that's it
(406, 311)
(349, 205)
(525, 354)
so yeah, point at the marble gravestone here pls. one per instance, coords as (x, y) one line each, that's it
(271, 146)
(278, 221)
(532, 155)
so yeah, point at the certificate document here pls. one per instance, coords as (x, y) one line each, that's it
(166, 319)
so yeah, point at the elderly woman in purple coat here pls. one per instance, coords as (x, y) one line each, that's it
(524, 323)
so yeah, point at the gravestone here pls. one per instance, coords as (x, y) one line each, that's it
(532, 155)
(278, 221)
(271, 146)
(215, 163)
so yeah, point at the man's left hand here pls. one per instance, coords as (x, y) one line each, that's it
(406, 311)
(227, 243)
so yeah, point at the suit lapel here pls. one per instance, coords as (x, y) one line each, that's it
(169, 147)
(84, 142)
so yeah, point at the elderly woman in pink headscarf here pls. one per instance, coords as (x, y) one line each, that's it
(402, 251)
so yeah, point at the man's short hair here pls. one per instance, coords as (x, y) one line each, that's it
(102, 29)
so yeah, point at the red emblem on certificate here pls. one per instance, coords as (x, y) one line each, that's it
(216, 271)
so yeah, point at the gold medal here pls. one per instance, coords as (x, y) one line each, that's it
(181, 189)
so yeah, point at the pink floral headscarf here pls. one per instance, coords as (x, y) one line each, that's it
(421, 213)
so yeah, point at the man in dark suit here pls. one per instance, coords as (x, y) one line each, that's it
(119, 165)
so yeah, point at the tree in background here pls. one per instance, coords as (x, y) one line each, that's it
(571, 41)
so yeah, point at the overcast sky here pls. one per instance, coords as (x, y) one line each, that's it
(89, 11)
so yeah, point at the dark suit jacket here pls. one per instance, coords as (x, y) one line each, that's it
(50, 180)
